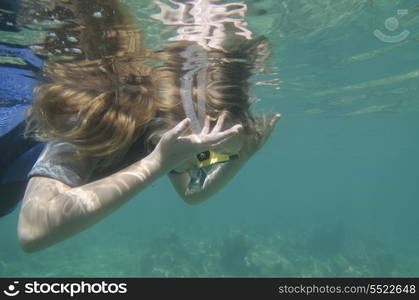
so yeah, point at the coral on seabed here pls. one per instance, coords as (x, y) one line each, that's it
(235, 253)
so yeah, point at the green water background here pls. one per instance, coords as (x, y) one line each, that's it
(334, 192)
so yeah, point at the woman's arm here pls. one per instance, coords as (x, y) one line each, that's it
(52, 211)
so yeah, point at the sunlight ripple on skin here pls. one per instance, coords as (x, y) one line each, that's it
(123, 184)
(139, 176)
(87, 200)
(115, 187)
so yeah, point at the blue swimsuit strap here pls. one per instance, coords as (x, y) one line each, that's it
(18, 81)
(18, 154)
(23, 52)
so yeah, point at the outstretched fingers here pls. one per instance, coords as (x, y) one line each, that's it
(269, 128)
(223, 136)
(220, 123)
(180, 128)
(272, 124)
(274, 120)
(207, 125)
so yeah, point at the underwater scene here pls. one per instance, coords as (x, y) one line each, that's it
(333, 193)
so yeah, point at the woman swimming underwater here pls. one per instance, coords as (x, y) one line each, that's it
(117, 116)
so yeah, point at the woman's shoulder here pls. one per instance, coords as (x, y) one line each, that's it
(59, 161)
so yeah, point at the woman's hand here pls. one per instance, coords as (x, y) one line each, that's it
(252, 145)
(175, 149)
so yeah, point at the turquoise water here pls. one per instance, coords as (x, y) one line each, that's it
(334, 192)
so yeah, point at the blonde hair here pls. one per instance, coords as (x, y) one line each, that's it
(107, 90)
(227, 87)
